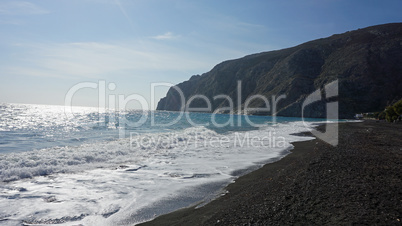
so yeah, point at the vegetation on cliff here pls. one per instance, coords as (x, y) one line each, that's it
(394, 112)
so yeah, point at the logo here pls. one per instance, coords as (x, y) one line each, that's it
(119, 103)
(331, 130)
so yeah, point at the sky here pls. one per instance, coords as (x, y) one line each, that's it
(91, 50)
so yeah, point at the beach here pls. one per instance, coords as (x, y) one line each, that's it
(356, 182)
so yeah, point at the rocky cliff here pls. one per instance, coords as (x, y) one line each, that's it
(367, 64)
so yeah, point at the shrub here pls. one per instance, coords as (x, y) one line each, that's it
(390, 113)
(381, 115)
(398, 107)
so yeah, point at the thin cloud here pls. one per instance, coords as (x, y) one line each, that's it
(123, 11)
(20, 8)
(250, 25)
(11, 22)
(166, 36)
(96, 59)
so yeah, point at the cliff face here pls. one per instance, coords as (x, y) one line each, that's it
(367, 64)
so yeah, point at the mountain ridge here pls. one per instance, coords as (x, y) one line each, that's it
(366, 62)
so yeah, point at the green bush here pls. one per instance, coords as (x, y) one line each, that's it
(398, 107)
(390, 113)
(381, 115)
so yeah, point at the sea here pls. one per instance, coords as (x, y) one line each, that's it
(82, 166)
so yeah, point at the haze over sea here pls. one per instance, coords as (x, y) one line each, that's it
(121, 168)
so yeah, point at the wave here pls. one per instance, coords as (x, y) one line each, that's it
(135, 149)
(69, 159)
(124, 181)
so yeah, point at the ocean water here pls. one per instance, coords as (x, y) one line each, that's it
(122, 168)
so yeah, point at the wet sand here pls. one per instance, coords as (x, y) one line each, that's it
(357, 182)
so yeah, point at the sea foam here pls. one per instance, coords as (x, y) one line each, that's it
(131, 180)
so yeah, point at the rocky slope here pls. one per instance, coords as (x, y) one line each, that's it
(367, 64)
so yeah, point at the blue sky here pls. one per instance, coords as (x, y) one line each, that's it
(48, 46)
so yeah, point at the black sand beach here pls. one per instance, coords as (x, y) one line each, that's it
(357, 182)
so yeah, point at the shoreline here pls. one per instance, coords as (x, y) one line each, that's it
(356, 182)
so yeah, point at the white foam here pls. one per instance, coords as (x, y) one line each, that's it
(125, 181)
